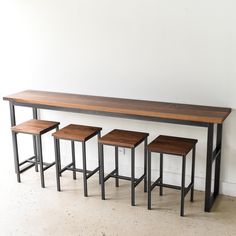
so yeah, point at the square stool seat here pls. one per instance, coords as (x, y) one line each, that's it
(172, 145)
(35, 127)
(123, 138)
(74, 132)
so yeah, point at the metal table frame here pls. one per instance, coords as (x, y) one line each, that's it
(212, 155)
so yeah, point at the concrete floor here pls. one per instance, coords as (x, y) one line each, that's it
(27, 209)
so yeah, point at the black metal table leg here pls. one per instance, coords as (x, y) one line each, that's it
(117, 165)
(145, 165)
(218, 160)
(183, 186)
(14, 142)
(73, 158)
(149, 180)
(193, 173)
(208, 201)
(35, 116)
(99, 135)
(132, 177)
(16, 156)
(161, 174)
(84, 169)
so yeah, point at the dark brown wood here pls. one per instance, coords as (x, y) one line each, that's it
(152, 109)
(36, 127)
(77, 132)
(123, 138)
(172, 145)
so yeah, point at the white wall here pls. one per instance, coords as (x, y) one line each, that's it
(177, 51)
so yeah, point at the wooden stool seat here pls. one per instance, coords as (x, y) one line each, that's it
(123, 138)
(77, 132)
(35, 127)
(126, 139)
(172, 145)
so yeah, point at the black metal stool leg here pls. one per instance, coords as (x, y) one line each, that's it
(35, 153)
(149, 179)
(57, 150)
(117, 165)
(161, 174)
(193, 173)
(73, 158)
(40, 155)
(16, 156)
(84, 169)
(132, 177)
(99, 135)
(101, 157)
(145, 165)
(35, 116)
(59, 157)
(183, 186)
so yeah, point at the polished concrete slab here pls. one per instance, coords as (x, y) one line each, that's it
(27, 209)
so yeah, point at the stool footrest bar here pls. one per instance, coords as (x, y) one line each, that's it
(110, 175)
(26, 168)
(89, 172)
(27, 160)
(48, 165)
(155, 183)
(92, 172)
(187, 189)
(137, 181)
(66, 168)
(169, 186)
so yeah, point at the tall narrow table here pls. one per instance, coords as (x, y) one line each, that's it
(184, 114)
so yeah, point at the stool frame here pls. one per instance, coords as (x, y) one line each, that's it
(115, 172)
(159, 182)
(37, 159)
(72, 166)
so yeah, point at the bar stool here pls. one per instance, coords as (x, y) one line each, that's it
(79, 133)
(172, 146)
(125, 139)
(36, 128)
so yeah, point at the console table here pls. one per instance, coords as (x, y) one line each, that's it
(184, 114)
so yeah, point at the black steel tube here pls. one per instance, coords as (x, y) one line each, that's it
(149, 180)
(145, 165)
(193, 172)
(73, 158)
(133, 177)
(208, 202)
(57, 164)
(183, 186)
(101, 158)
(84, 169)
(40, 155)
(117, 165)
(35, 116)
(218, 160)
(161, 174)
